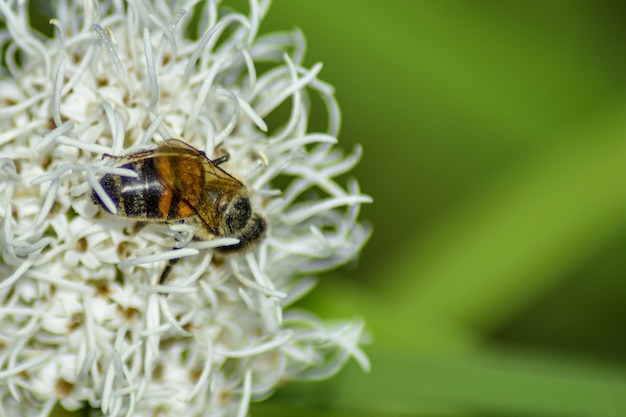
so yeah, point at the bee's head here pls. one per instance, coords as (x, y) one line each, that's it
(240, 222)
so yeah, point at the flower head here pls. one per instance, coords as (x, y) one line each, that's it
(83, 317)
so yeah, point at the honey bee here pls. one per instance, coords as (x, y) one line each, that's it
(177, 183)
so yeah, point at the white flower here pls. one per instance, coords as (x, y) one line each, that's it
(82, 319)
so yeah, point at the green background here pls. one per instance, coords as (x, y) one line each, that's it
(495, 149)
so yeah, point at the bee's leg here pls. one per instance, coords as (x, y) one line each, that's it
(167, 270)
(222, 159)
(135, 156)
(136, 228)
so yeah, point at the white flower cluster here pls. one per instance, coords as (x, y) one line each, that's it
(83, 319)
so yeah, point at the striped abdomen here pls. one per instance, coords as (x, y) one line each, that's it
(145, 197)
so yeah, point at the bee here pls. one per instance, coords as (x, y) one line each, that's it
(177, 183)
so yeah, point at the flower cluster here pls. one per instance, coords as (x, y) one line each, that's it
(83, 319)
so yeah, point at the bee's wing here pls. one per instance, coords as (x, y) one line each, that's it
(196, 180)
(194, 161)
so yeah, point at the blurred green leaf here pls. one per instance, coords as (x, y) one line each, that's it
(494, 137)
(506, 383)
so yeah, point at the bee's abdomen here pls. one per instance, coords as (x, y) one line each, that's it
(140, 197)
